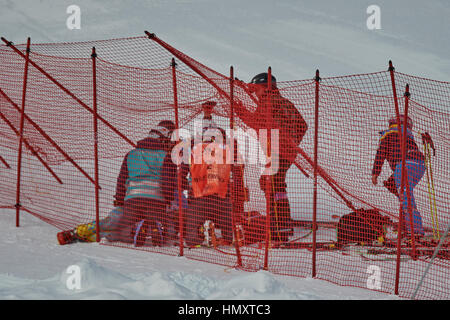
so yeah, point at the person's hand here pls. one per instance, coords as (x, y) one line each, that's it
(374, 179)
(118, 203)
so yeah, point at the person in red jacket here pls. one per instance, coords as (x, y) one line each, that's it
(389, 150)
(292, 127)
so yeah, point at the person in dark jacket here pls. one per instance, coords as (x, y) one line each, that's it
(291, 127)
(389, 150)
(145, 185)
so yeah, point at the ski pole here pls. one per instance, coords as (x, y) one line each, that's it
(427, 145)
(441, 242)
(433, 195)
(425, 150)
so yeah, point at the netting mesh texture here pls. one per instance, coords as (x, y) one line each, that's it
(224, 203)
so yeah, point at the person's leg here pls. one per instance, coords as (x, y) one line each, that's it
(111, 223)
(222, 217)
(126, 222)
(415, 171)
(281, 211)
(152, 222)
(195, 216)
(174, 214)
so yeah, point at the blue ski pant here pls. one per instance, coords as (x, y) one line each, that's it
(415, 170)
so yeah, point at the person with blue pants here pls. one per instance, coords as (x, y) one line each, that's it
(415, 170)
(389, 149)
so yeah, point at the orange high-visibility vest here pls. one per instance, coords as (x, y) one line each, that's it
(209, 177)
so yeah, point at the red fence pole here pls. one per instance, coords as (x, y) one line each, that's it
(4, 162)
(34, 152)
(22, 121)
(94, 84)
(394, 90)
(268, 184)
(177, 125)
(405, 173)
(316, 139)
(153, 37)
(233, 169)
(326, 177)
(333, 184)
(400, 214)
(59, 85)
(47, 137)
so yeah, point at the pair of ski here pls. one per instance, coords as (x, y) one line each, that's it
(373, 253)
(388, 251)
(384, 254)
(423, 248)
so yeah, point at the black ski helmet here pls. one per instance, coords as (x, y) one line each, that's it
(164, 129)
(262, 78)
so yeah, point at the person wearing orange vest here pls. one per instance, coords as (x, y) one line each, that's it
(211, 172)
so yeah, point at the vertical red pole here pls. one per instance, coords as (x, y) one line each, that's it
(268, 184)
(97, 204)
(316, 140)
(400, 214)
(22, 121)
(394, 90)
(233, 168)
(177, 125)
(405, 173)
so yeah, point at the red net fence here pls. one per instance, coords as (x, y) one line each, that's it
(302, 178)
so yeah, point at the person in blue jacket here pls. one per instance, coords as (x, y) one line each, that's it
(146, 185)
(390, 150)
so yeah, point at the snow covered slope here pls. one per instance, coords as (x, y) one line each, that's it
(34, 266)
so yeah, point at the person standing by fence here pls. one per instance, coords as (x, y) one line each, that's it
(292, 127)
(389, 149)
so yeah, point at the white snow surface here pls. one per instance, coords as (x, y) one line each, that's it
(34, 266)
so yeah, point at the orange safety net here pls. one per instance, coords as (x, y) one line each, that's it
(96, 151)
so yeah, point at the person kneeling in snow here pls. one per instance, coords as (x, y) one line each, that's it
(211, 173)
(145, 185)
